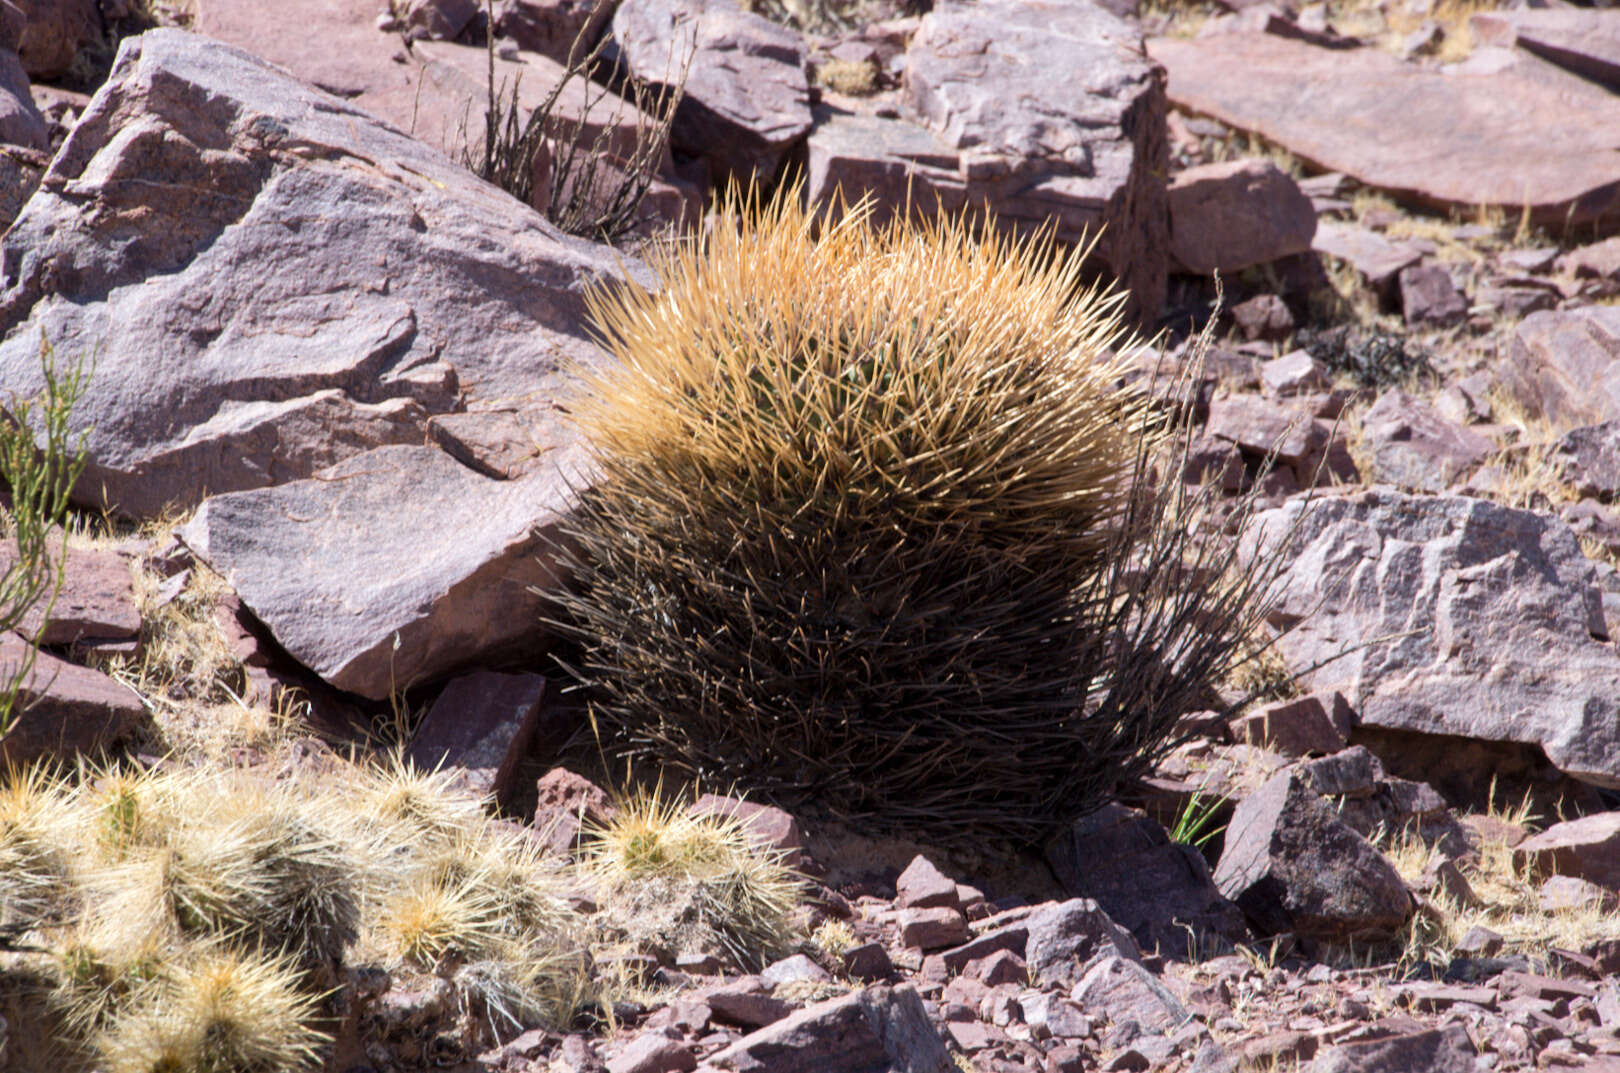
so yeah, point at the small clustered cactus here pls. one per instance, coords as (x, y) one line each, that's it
(872, 522)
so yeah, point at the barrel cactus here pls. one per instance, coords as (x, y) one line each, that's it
(867, 527)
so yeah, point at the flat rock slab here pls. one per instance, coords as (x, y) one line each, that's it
(1565, 366)
(1584, 42)
(878, 1030)
(339, 284)
(747, 97)
(1491, 618)
(63, 710)
(1588, 848)
(984, 124)
(1445, 1050)
(392, 568)
(95, 604)
(1455, 141)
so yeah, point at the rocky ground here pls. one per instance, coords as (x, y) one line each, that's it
(314, 330)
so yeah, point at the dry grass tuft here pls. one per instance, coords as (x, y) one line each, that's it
(674, 882)
(852, 78)
(1507, 897)
(865, 533)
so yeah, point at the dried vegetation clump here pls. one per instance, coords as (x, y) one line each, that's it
(676, 883)
(193, 921)
(877, 526)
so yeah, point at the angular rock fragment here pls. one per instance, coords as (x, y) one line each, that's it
(1446, 1050)
(984, 125)
(746, 100)
(374, 606)
(1588, 848)
(1161, 891)
(877, 1030)
(1415, 448)
(63, 711)
(1584, 42)
(1229, 216)
(1292, 866)
(1565, 365)
(484, 724)
(1447, 141)
(1065, 938)
(20, 121)
(341, 282)
(1479, 621)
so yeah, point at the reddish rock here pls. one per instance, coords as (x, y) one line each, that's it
(1318, 723)
(1499, 619)
(1012, 937)
(96, 602)
(223, 362)
(1002, 967)
(1562, 894)
(1259, 427)
(870, 1031)
(567, 804)
(922, 886)
(653, 1052)
(746, 99)
(747, 1002)
(1600, 260)
(1565, 366)
(984, 124)
(485, 724)
(1263, 317)
(1445, 140)
(1295, 373)
(932, 929)
(1158, 890)
(551, 27)
(1120, 989)
(1414, 447)
(1293, 866)
(1429, 297)
(1376, 259)
(1066, 937)
(1584, 42)
(442, 20)
(372, 606)
(1588, 847)
(1590, 460)
(1229, 216)
(792, 969)
(767, 827)
(12, 24)
(53, 33)
(1446, 1050)
(62, 710)
(20, 121)
(868, 961)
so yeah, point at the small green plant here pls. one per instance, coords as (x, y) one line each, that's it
(1197, 822)
(40, 462)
